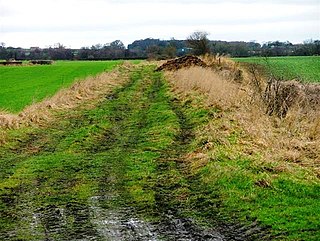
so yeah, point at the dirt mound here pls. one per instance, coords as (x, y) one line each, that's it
(182, 62)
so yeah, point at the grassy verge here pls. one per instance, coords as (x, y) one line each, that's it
(232, 181)
(306, 69)
(34, 83)
(289, 207)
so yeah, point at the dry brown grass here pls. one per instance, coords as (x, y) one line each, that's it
(87, 91)
(289, 141)
(221, 92)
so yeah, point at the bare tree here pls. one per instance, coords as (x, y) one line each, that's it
(199, 43)
(117, 44)
(59, 46)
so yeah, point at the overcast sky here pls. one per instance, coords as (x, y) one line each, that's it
(78, 23)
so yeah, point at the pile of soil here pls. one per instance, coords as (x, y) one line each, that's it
(182, 62)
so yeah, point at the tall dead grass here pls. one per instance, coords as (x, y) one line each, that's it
(86, 91)
(292, 140)
(221, 92)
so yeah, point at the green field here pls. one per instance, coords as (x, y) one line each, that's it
(305, 68)
(20, 86)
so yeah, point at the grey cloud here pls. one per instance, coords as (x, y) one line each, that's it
(303, 2)
(159, 22)
(76, 25)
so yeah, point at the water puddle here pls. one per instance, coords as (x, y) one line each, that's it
(119, 224)
(122, 224)
(183, 229)
(72, 222)
(99, 221)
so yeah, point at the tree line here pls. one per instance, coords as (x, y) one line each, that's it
(197, 43)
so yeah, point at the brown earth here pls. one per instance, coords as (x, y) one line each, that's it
(182, 62)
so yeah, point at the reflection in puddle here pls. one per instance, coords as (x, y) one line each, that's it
(89, 222)
(100, 220)
(117, 225)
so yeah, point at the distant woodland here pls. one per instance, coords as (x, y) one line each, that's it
(160, 49)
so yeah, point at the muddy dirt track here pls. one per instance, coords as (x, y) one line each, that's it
(109, 173)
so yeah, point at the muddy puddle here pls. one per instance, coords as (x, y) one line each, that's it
(99, 220)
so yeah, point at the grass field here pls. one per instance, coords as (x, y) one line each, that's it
(306, 68)
(22, 85)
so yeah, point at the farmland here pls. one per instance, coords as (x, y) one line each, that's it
(23, 85)
(178, 155)
(306, 69)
